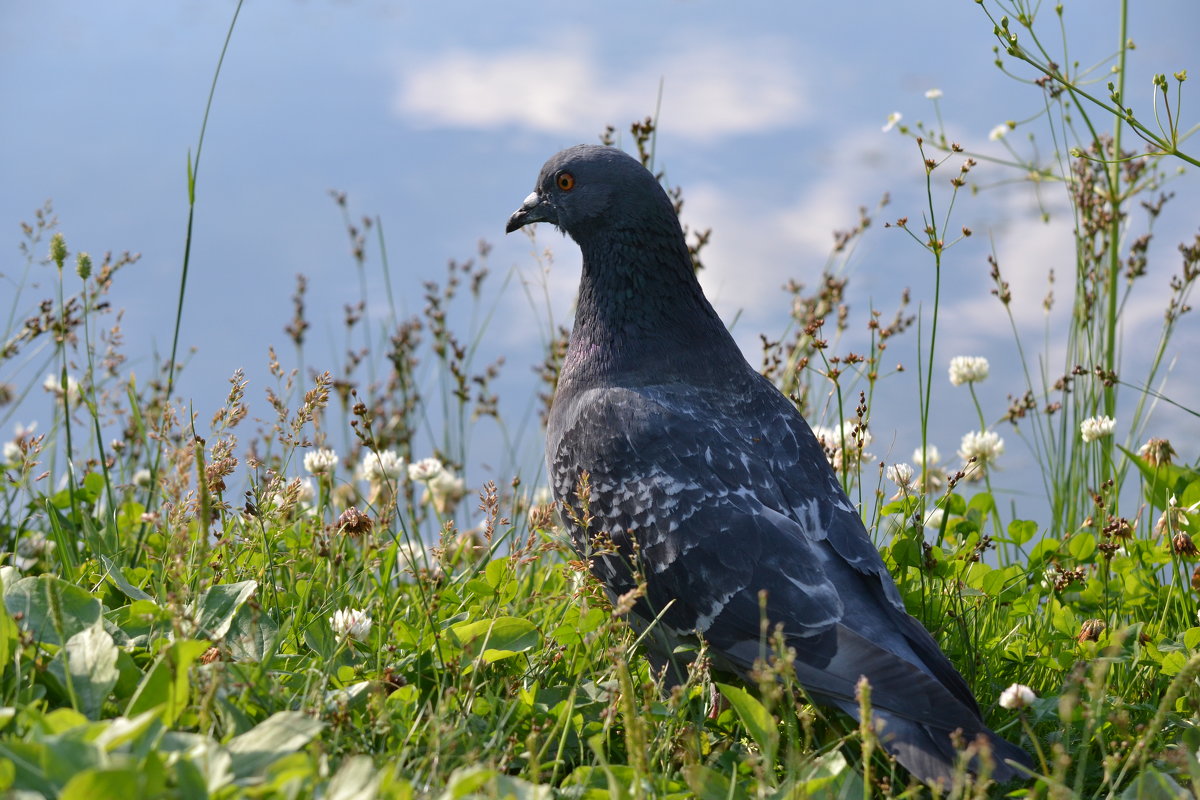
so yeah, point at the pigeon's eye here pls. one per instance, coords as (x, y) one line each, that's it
(565, 181)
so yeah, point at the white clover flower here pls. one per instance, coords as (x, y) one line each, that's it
(1094, 428)
(901, 475)
(54, 386)
(307, 493)
(928, 458)
(320, 462)
(999, 132)
(446, 489)
(383, 467)
(984, 446)
(831, 440)
(933, 94)
(542, 496)
(141, 478)
(12, 453)
(425, 470)
(968, 369)
(933, 520)
(351, 622)
(1016, 696)
(892, 119)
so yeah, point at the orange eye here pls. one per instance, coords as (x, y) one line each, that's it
(566, 181)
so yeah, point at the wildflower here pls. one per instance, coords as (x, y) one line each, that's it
(933, 94)
(351, 622)
(902, 475)
(354, 522)
(83, 265)
(13, 453)
(928, 458)
(307, 492)
(445, 489)
(1017, 696)
(1183, 545)
(1090, 630)
(999, 132)
(968, 369)
(853, 435)
(53, 385)
(1094, 428)
(982, 446)
(386, 466)
(892, 119)
(321, 462)
(1157, 452)
(141, 478)
(424, 470)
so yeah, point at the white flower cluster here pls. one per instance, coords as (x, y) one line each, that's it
(442, 487)
(999, 132)
(832, 439)
(351, 622)
(968, 369)
(892, 119)
(1018, 695)
(985, 447)
(1094, 428)
(933, 94)
(321, 462)
(902, 475)
(53, 385)
(386, 466)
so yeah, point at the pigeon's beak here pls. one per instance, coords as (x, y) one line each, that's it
(534, 209)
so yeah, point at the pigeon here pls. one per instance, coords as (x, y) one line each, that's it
(682, 471)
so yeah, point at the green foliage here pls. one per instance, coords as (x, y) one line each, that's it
(345, 638)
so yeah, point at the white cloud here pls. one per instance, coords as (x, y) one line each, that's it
(710, 89)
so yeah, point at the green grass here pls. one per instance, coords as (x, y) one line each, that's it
(198, 612)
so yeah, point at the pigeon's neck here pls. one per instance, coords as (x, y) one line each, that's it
(641, 311)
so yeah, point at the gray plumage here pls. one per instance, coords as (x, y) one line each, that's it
(719, 479)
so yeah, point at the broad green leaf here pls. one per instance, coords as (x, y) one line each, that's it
(758, 722)
(50, 608)
(495, 639)
(1150, 784)
(274, 737)
(87, 667)
(1191, 638)
(708, 784)
(1042, 551)
(216, 607)
(166, 683)
(252, 635)
(111, 784)
(1021, 531)
(1173, 662)
(114, 574)
(1082, 546)
(357, 778)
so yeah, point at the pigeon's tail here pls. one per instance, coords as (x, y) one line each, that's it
(932, 755)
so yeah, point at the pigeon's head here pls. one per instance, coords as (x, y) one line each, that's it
(588, 188)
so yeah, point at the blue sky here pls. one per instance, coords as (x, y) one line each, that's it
(437, 116)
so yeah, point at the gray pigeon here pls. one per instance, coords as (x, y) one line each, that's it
(706, 480)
